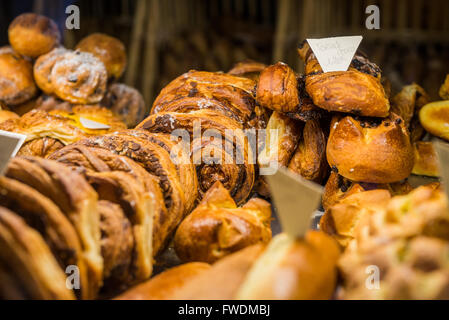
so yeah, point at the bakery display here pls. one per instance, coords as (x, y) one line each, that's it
(166, 197)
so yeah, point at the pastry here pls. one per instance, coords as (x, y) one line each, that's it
(370, 150)
(126, 102)
(309, 159)
(28, 269)
(16, 78)
(217, 227)
(426, 160)
(79, 77)
(248, 69)
(43, 68)
(434, 117)
(110, 50)
(33, 35)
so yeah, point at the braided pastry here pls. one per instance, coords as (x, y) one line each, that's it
(217, 227)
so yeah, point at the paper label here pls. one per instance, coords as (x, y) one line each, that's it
(10, 144)
(296, 200)
(90, 124)
(442, 150)
(335, 54)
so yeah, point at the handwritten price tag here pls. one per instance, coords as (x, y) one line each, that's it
(296, 200)
(10, 143)
(335, 54)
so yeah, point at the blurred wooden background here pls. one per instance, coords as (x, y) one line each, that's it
(165, 38)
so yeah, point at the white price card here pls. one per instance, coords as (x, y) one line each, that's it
(335, 54)
(10, 144)
(90, 124)
(296, 200)
(442, 150)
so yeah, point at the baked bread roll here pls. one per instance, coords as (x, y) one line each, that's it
(16, 78)
(426, 160)
(293, 270)
(43, 68)
(28, 269)
(279, 89)
(217, 227)
(75, 198)
(434, 117)
(33, 35)
(110, 50)
(309, 159)
(357, 91)
(126, 102)
(79, 77)
(247, 69)
(165, 284)
(370, 150)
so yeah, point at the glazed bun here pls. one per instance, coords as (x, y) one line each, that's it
(370, 150)
(32, 35)
(109, 50)
(16, 78)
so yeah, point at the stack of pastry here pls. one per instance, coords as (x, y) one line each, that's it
(64, 85)
(400, 249)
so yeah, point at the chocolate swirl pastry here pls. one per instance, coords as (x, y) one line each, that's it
(217, 227)
(126, 102)
(16, 78)
(156, 160)
(221, 92)
(75, 198)
(117, 243)
(79, 77)
(90, 160)
(237, 177)
(41, 214)
(28, 269)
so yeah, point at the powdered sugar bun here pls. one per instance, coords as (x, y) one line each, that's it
(43, 67)
(79, 77)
